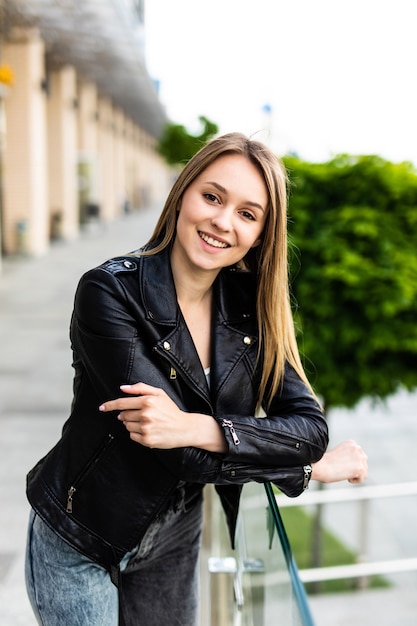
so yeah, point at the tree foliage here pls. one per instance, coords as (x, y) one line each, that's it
(353, 223)
(177, 145)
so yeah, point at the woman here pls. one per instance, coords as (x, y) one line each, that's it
(176, 350)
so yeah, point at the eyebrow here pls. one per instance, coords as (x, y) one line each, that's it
(223, 190)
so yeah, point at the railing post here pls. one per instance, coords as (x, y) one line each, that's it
(363, 581)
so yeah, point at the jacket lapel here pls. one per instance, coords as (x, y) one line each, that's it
(170, 332)
(233, 323)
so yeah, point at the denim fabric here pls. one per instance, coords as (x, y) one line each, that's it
(159, 580)
(65, 587)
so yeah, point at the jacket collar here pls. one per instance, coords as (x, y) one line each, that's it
(234, 321)
(158, 289)
(235, 292)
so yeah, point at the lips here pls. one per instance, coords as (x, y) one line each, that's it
(213, 242)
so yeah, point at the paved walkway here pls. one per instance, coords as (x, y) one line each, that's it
(36, 297)
(35, 392)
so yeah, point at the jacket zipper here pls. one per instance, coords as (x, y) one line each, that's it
(229, 424)
(283, 440)
(174, 367)
(87, 469)
(307, 469)
(71, 492)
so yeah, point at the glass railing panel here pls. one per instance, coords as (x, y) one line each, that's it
(301, 614)
(257, 584)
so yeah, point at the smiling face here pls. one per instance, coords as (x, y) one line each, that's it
(221, 217)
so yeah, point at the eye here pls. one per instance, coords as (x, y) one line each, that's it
(211, 197)
(248, 215)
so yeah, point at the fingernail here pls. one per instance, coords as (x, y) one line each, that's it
(101, 407)
(125, 386)
(120, 417)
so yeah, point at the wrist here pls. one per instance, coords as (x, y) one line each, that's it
(207, 434)
(318, 470)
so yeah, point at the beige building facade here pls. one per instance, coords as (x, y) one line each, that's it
(71, 149)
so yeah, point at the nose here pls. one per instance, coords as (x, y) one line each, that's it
(222, 220)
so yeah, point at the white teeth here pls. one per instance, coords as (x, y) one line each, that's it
(213, 242)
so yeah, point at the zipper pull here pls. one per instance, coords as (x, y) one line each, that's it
(71, 492)
(307, 475)
(229, 424)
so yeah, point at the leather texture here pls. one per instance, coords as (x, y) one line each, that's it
(99, 490)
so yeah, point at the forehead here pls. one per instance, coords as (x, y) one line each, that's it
(235, 171)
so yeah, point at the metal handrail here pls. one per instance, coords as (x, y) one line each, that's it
(357, 570)
(298, 577)
(363, 493)
(359, 492)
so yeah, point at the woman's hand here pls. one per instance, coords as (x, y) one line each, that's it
(347, 461)
(155, 421)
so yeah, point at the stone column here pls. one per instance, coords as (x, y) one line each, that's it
(105, 150)
(119, 161)
(88, 162)
(62, 150)
(25, 194)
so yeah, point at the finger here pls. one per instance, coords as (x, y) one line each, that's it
(142, 389)
(133, 417)
(133, 426)
(140, 435)
(112, 405)
(122, 404)
(135, 388)
(360, 476)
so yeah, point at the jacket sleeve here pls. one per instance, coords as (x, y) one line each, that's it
(98, 338)
(277, 448)
(293, 432)
(203, 467)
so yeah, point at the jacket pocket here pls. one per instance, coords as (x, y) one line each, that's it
(87, 470)
(245, 437)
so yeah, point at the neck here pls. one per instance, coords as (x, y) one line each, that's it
(192, 286)
(194, 296)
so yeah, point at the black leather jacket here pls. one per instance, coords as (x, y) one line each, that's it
(99, 490)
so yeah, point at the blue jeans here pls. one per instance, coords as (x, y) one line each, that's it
(159, 580)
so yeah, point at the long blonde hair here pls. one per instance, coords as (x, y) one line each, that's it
(277, 341)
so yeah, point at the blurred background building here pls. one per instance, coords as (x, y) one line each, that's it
(79, 119)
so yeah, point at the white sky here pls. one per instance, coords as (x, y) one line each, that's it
(339, 76)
